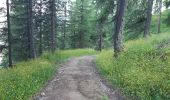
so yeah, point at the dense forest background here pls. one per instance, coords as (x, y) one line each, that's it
(37, 26)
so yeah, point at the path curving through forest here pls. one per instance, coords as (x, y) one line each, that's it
(78, 79)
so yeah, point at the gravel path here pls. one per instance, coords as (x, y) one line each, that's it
(77, 79)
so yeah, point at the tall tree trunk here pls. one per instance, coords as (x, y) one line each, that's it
(148, 18)
(100, 41)
(74, 37)
(159, 16)
(53, 22)
(40, 42)
(40, 31)
(9, 35)
(100, 36)
(64, 29)
(119, 26)
(32, 53)
(81, 32)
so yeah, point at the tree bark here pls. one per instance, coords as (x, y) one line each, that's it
(81, 32)
(148, 18)
(159, 16)
(64, 26)
(53, 22)
(119, 26)
(32, 53)
(74, 37)
(100, 41)
(40, 32)
(9, 35)
(100, 36)
(99, 32)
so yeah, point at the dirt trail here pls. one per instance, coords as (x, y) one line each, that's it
(77, 79)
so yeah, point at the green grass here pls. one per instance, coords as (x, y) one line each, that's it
(142, 71)
(27, 78)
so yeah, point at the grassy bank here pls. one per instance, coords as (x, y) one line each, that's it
(26, 78)
(142, 72)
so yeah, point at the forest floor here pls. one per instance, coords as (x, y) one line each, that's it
(78, 79)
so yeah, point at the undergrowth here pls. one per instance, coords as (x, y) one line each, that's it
(142, 71)
(27, 78)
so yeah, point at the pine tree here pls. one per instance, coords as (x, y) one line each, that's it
(119, 26)
(148, 18)
(159, 16)
(19, 23)
(64, 25)
(53, 27)
(31, 44)
(9, 35)
(82, 24)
